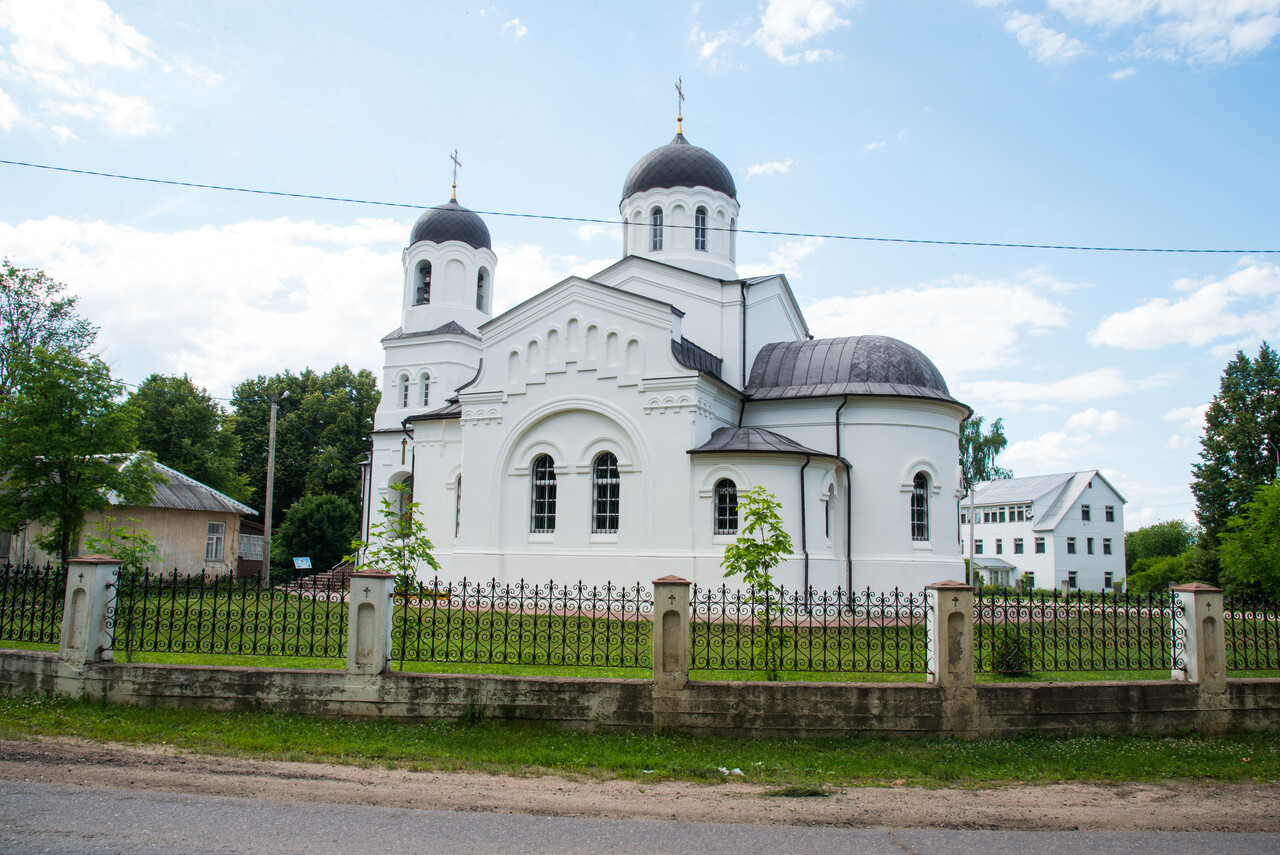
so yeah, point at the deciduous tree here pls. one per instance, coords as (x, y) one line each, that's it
(34, 315)
(1158, 540)
(320, 527)
(65, 444)
(978, 452)
(186, 429)
(1250, 551)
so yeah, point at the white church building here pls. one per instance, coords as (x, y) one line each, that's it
(603, 429)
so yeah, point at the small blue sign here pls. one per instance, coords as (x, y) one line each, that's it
(302, 564)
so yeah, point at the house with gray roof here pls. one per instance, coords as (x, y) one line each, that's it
(195, 527)
(1059, 528)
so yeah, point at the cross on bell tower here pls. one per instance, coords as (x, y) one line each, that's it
(456, 163)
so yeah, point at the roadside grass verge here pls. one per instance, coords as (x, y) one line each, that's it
(519, 749)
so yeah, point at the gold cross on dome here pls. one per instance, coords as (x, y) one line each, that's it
(456, 164)
(680, 104)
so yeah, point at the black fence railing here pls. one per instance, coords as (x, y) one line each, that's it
(495, 623)
(1252, 629)
(175, 613)
(31, 603)
(1024, 633)
(868, 631)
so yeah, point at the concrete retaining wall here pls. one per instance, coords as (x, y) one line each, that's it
(797, 710)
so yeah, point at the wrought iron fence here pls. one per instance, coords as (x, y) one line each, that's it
(520, 623)
(1252, 629)
(736, 629)
(1025, 633)
(175, 613)
(31, 603)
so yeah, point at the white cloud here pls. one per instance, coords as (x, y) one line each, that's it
(1190, 422)
(527, 270)
(787, 25)
(1008, 395)
(1212, 310)
(870, 147)
(971, 324)
(74, 57)
(64, 133)
(1049, 452)
(1094, 420)
(224, 303)
(710, 45)
(9, 114)
(777, 167)
(1045, 44)
(1195, 30)
(1123, 73)
(518, 30)
(785, 259)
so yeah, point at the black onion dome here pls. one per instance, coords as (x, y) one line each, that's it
(679, 164)
(451, 221)
(855, 365)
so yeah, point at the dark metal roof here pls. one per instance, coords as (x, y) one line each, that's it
(679, 164)
(855, 365)
(750, 440)
(451, 410)
(690, 355)
(451, 221)
(451, 328)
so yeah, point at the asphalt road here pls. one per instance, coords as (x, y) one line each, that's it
(39, 818)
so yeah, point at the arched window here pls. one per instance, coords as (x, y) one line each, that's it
(920, 507)
(457, 508)
(733, 239)
(700, 230)
(423, 294)
(605, 491)
(543, 504)
(482, 285)
(404, 390)
(726, 520)
(655, 230)
(425, 379)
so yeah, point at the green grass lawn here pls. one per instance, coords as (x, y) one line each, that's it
(535, 749)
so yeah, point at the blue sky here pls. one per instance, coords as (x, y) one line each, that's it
(1121, 123)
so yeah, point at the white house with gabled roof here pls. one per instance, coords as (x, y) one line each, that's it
(1058, 528)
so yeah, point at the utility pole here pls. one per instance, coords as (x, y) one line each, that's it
(271, 478)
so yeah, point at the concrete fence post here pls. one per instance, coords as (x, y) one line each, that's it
(369, 608)
(949, 633)
(88, 603)
(670, 632)
(1199, 633)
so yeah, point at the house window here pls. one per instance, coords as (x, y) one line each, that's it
(217, 534)
(457, 508)
(1071, 546)
(1039, 546)
(544, 495)
(1108, 580)
(700, 230)
(1072, 581)
(655, 230)
(250, 547)
(422, 295)
(920, 508)
(999, 546)
(1017, 546)
(1002, 515)
(1084, 512)
(1106, 546)
(977, 547)
(1088, 545)
(1111, 513)
(481, 285)
(726, 521)
(964, 519)
(425, 379)
(605, 489)
(1021, 512)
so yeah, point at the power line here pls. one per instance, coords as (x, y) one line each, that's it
(611, 222)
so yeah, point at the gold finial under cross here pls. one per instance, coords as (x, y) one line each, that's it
(680, 105)
(456, 163)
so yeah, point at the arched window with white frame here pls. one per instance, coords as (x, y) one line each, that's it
(404, 391)
(543, 495)
(655, 230)
(726, 507)
(920, 507)
(606, 494)
(482, 289)
(425, 380)
(700, 230)
(422, 294)
(457, 507)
